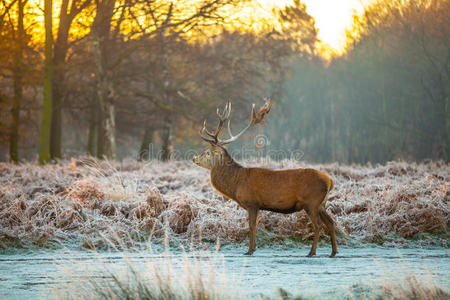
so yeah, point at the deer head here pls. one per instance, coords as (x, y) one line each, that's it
(217, 153)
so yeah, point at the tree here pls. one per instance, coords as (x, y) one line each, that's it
(47, 88)
(61, 45)
(386, 98)
(18, 83)
(298, 27)
(402, 51)
(19, 75)
(165, 21)
(101, 42)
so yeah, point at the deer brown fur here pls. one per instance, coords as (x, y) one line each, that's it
(281, 191)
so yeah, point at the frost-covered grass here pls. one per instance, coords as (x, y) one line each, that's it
(152, 277)
(202, 275)
(399, 285)
(76, 201)
(186, 281)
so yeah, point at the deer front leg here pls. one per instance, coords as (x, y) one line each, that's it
(252, 222)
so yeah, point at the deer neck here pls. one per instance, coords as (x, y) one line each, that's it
(225, 177)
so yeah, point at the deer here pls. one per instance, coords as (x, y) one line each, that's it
(254, 189)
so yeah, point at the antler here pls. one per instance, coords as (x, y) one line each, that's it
(255, 118)
(212, 137)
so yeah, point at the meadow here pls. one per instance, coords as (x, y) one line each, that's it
(85, 205)
(79, 200)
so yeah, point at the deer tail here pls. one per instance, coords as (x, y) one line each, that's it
(330, 185)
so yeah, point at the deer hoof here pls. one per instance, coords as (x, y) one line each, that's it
(310, 254)
(333, 254)
(249, 253)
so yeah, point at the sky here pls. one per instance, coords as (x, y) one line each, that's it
(332, 17)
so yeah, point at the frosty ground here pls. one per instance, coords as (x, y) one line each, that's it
(354, 273)
(78, 204)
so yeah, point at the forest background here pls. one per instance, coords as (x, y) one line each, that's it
(121, 78)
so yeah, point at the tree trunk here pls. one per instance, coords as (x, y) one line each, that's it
(100, 132)
(107, 124)
(106, 142)
(166, 136)
(442, 139)
(18, 86)
(110, 130)
(15, 113)
(55, 132)
(48, 69)
(92, 135)
(59, 60)
(144, 151)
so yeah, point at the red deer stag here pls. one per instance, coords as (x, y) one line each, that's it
(255, 189)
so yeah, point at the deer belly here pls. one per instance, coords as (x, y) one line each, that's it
(282, 211)
(285, 205)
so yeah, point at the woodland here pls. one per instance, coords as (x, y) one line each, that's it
(136, 78)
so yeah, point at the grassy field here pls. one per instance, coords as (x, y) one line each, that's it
(77, 202)
(85, 203)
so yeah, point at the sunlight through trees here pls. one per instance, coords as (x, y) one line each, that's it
(122, 77)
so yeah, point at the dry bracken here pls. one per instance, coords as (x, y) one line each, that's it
(83, 198)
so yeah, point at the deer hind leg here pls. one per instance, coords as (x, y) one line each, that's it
(314, 217)
(252, 222)
(329, 222)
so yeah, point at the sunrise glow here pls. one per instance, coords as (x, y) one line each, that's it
(332, 17)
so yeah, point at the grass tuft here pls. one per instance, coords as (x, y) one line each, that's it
(153, 276)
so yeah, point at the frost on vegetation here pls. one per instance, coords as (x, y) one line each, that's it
(193, 276)
(81, 199)
(402, 284)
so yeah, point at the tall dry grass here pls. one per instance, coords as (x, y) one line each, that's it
(401, 282)
(195, 276)
(77, 200)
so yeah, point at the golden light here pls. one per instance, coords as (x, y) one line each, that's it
(332, 17)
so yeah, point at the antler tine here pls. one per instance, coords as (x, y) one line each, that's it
(213, 136)
(229, 129)
(221, 115)
(225, 113)
(235, 137)
(224, 116)
(255, 118)
(229, 111)
(207, 139)
(206, 130)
